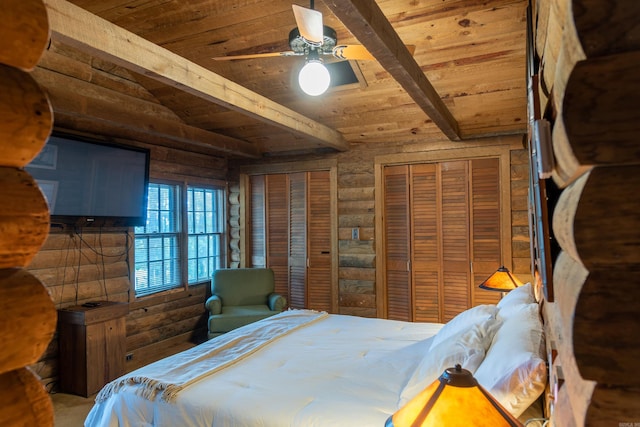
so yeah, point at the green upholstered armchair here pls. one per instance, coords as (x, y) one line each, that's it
(240, 296)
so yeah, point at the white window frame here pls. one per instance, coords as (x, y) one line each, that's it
(182, 235)
(211, 238)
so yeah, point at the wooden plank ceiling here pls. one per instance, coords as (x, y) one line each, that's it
(144, 70)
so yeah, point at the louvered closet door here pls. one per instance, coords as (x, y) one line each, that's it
(319, 241)
(445, 219)
(277, 229)
(486, 226)
(291, 218)
(455, 210)
(397, 240)
(258, 243)
(425, 243)
(297, 240)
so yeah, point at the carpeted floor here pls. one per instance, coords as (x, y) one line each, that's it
(70, 410)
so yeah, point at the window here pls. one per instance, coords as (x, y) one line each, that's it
(157, 244)
(205, 225)
(166, 257)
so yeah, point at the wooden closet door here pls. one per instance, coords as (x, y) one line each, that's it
(485, 226)
(291, 217)
(257, 243)
(426, 273)
(397, 241)
(442, 223)
(277, 229)
(455, 231)
(319, 294)
(298, 240)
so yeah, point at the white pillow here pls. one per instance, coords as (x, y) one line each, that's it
(514, 370)
(514, 299)
(467, 348)
(482, 315)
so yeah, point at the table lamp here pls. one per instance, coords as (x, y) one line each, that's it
(453, 400)
(502, 280)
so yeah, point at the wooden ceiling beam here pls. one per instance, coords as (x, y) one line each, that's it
(73, 107)
(149, 129)
(370, 26)
(89, 33)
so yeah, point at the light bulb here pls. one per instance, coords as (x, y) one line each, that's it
(314, 78)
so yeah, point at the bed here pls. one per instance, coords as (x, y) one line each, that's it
(308, 368)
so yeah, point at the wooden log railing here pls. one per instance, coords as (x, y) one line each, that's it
(29, 315)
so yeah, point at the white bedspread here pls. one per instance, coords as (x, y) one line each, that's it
(169, 376)
(337, 371)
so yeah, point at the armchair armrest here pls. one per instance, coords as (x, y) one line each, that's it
(277, 302)
(214, 304)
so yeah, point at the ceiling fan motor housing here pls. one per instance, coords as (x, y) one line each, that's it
(300, 45)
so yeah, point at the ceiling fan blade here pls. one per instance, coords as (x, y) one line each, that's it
(352, 52)
(309, 24)
(358, 52)
(256, 55)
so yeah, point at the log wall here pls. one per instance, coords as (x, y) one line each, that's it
(28, 314)
(356, 208)
(589, 55)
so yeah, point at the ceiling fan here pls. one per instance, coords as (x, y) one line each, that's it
(311, 35)
(313, 40)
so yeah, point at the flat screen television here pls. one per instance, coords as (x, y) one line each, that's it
(91, 183)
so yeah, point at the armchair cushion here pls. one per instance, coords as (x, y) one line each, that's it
(277, 302)
(214, 304)
(240, 296)
(243, 286)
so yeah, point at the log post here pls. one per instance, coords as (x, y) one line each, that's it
(29, 315)
(596, 123)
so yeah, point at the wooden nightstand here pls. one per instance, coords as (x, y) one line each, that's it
(92, 346)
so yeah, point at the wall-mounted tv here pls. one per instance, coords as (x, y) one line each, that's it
(92, 183)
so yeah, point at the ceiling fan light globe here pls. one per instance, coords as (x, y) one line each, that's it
(314, 78)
